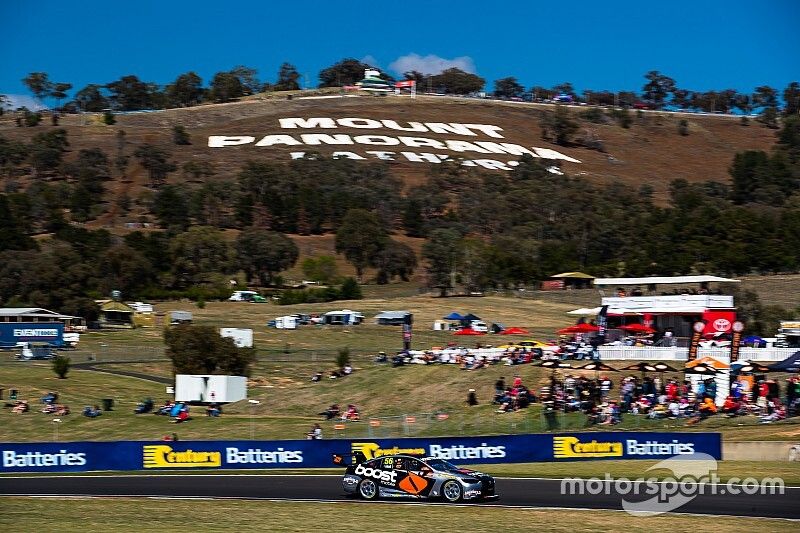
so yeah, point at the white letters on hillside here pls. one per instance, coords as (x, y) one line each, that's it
(456, 146)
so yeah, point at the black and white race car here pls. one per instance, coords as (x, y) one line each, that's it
(404, 476)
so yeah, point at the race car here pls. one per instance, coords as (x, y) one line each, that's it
(404, 476)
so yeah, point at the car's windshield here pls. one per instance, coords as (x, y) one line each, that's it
(442, 466)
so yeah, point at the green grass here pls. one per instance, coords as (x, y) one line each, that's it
(125, 514)
(290, 403)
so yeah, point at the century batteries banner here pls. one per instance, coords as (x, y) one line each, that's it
(213, 455)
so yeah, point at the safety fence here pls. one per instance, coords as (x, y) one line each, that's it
(530, 420)
(253, 454)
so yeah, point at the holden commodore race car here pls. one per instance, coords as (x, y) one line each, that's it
(404, 476)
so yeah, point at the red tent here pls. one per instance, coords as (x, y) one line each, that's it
(468, 331)
(638, 328)
(515, 331)
(578, 328)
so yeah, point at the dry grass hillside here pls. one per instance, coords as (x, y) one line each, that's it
(651, 151)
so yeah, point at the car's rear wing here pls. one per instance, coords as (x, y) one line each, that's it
(344, 459)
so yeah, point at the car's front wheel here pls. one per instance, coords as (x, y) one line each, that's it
(368, 489)
(451, 491)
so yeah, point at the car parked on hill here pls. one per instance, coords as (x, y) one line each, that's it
(405, 476)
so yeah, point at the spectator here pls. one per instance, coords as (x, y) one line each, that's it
(315, 433)
(731, 406)
(92, 412)
(331, 412)
(472, 399)
(62, 410)
(213, 410)
(316, 377)
(144, 406)
(183, 414)
(347, 370)
(21, 407)
(351, 414)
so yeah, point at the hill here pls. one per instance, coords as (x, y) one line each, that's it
(651, 151)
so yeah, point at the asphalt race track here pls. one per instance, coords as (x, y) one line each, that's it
(513, 492)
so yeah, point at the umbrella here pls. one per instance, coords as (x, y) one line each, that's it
(637, 328)
(470, 317)
(753, 339)
(702, 368)
(746, 367)
(454, 316)
(515, 331)
(579, 328)
(643, 367)
(468, 331)
(555, 364)
(790, 364)
(664, 367)
(597, 366)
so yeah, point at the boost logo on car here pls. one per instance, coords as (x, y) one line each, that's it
(383, 476)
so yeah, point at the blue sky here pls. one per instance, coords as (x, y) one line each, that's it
(599, 45)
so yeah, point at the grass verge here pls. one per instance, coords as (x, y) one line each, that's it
(112, 514)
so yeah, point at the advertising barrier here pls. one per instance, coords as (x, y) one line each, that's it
(136, 455)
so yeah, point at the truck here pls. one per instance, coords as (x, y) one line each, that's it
(247, 296)
(788, 334)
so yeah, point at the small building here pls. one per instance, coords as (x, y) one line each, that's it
(116, 315)
(391, 318)
(180, 317)
(568, 280)
(37, 314)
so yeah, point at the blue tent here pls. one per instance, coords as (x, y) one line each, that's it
(454, 316)
(790, 364)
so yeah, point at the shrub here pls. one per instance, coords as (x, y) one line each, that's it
(683, 127)
(61, 366)
(342, 357)
(108, 118)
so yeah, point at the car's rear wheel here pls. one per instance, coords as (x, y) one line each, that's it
(451, 491)
(368, 489)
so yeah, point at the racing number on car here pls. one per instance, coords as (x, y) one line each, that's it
(413, 484)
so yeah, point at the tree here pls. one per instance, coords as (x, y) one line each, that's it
(765, 97)
(396, 260)
(47, 148)
(263, 254)
(508, 88)
(247, 79)
(226, 86)
(769, 117)
(565, 88)
(186, 90)
(681, 98)
(156, 161)
(287, 78)
(558, 126)
(345, 72)
(350, 290)
(129, 93)
(442, 252)
(198, 253)
(171, 208)
(456, 81)
(791, 99)
(180, 136)
(196, 170)
(61, 366)
(12, 230)
(91, 100)
(201, 350)
(657, 88)
(361, 237)
(38, 84)
(59, 92)
(321, 269)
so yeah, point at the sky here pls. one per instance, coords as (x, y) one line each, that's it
(703, 45)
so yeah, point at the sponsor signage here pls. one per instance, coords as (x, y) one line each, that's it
(390, 140)
(215, 455)
(13, 332)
